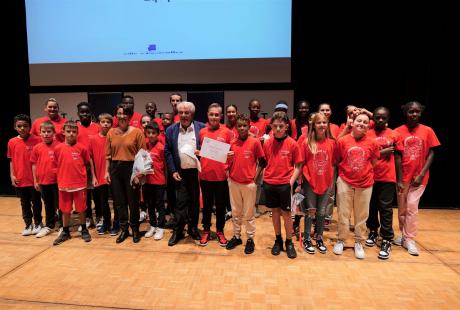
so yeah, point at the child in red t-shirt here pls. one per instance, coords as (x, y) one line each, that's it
(386, 171)
(72, 159)
(167, 120)
(318, 176)
(44, 170)
(355, 155)
(213, 179)
(101, 190)
(244, 155)
(416, 144)
(19, 151)
(154, 187)
(284, 164)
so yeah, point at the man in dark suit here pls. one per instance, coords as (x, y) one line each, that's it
(181, 139)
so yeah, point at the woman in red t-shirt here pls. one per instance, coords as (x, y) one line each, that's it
(416, 144)
(355, 154)
(318, 172)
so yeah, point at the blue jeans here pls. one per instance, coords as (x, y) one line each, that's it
(316, 202)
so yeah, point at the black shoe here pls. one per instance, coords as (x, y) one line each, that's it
(385, 249)
(249, 248)
(372, 238)
(136, 234)
(85, 235)
(194, 234)
(63, 236)
(175, 238)
(307, 245)
(290, 250)
(233, 243)
(277, 247)
(123, 236)
(320, 246)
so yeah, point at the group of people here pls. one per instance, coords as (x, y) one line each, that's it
(360, 166)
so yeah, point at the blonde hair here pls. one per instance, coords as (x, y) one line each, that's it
(312, 134)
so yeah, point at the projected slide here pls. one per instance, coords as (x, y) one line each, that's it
(79, 31)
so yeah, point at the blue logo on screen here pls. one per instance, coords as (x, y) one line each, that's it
(152, 47)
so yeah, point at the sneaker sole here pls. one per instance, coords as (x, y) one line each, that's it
(223, 245)
(370, 244)
(309, 252)
(383, 257)
(203, 244)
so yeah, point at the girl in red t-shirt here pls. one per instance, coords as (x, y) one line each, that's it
(318, 171)
(416, 144)
(355, 154)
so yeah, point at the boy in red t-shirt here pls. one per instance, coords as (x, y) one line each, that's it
(72, 159)
(101, 190)
(154, 187)
(213, 179)
(44, 170)
(19, 151)
(416, 143)
(355, 156)
(245, 153)
(284, 164)
(167, 120)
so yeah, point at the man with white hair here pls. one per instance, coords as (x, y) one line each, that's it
(182, 140)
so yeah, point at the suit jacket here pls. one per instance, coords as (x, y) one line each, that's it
(171, 147)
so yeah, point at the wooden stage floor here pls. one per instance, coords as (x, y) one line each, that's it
(151, 275)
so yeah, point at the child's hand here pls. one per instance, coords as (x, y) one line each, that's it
(95, 182)
(37, 187)
(14, 181)
(107, 177)
(400, 186)
(230, 154)
(298, 189)
(417, 181)
(197, 152)
(136, 180)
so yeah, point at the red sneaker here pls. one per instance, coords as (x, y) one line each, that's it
(221, 238)
(205, 237)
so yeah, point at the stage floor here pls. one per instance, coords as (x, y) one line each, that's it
(36, 275)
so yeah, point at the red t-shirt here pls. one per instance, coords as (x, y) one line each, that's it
(212, 170)
(318, 169)
(97, 152)
(281, 157)
(45, 162)
(176, 118)
(233, 130)
(135, 121)
(157, 153)
(415, 146)
(303, 130)
(258, 128)
(384, 169)
(19, 151)
(354, 160)
(84, 133)
(335, 130)
(71, 169)
(242, 168)
(58, 125)
(160, 123)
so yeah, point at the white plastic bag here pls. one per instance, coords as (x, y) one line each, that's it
(296, 203)
(142, 166)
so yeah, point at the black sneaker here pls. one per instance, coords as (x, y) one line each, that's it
(277, 247)
(290, 250)
(308, 246)
(233, 243)
(385, 249)
(63, 236)
(372, 238)
(320, 246)
(249, 248)
(85, 235)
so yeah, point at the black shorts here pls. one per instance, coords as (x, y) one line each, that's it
(278, 196)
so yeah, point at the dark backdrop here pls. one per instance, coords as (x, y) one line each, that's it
(348, 55)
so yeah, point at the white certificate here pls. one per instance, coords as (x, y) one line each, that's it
(214, 150)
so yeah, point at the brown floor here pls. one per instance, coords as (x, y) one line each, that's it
(36, 275)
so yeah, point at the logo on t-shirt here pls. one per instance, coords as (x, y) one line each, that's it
(285, 153)
(356, 158)
(320, 160)
(383, 142)
(247, 154)
(413, 147)
(51, 154)
(75, 155)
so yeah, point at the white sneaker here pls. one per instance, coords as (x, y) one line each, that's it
(79, 228)
(338, 248)
(43, 232)
(399, 241)
(159, 234)
(27, 231)
(150, 232)
(410, 246)
(88, 223)
(37, 229)
(100, 223)
(359, 251)
(142, 216)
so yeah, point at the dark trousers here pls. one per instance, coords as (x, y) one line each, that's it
(188, 200)
(101, 196)
(171, 194)
(50, 196)
(214, 192)
(31, 205)
(124, 194)
(154, 198)
(383, 194)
